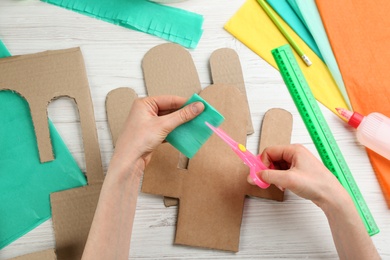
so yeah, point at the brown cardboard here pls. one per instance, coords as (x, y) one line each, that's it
(169, 69)
(225, 68)
(164, 74)
(41, 78)
(213, 188)
(72, 214)
(41, 255)
(118, 105)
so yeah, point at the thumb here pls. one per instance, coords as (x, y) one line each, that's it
(277, 177)
(183, 115)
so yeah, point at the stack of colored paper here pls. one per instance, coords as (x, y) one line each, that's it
(348, 49)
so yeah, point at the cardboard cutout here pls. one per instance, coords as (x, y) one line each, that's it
(169, 69)
(41, 78)
(213, 186)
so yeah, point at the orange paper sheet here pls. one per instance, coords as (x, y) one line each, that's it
(359, 32)
(252, 26)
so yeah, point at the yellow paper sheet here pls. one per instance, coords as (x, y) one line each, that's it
(254, 28)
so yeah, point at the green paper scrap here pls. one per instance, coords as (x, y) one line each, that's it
(188, 138)
(25, 183)
(291, 18)
(3, 50)
(172, 24)
(310, 14)
(294, 6)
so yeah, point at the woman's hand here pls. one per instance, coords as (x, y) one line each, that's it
(150, 120)
(298, 170)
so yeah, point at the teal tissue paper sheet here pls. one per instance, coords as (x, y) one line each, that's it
(285, 11)
(294, 6)
(310, 14)
(3, 50)
(188, 138)
(172, 24)
(25, 183)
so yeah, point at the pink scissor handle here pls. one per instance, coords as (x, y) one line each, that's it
(257, 167)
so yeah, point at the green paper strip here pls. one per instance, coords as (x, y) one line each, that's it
(25, 183)
(188, 138)
(169, 23)
(294, 6)
(3, 50)
(284, 9)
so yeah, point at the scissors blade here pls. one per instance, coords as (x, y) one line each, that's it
(223, 135)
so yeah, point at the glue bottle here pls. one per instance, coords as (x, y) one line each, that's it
(373, 131)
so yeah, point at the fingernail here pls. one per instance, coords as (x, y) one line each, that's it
(197, 107)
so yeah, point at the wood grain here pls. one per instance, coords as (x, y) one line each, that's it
(294, 229)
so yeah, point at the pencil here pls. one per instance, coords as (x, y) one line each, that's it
(275, 20)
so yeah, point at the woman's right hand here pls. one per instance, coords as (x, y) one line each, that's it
(298, 170)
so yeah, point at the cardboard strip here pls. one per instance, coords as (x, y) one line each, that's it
(214, 186)
(41, 255)
(73, 211)
(276, 129)
(225, 68)
(118, 104)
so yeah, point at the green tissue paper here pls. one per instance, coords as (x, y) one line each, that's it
(172, 24)
(3, 50)
(189, 137)
(25, 183)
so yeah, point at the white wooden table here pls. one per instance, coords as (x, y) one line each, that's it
(293, 229)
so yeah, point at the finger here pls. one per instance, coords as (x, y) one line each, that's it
(250, 181)
(279, 153)
(168, 102)
(182, 116)
(281, 179)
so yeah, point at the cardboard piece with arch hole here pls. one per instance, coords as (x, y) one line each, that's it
(212, 185)
(41, 78)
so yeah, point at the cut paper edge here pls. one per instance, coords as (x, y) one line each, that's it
(252, 26)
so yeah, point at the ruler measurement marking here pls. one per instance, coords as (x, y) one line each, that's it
(320, 132)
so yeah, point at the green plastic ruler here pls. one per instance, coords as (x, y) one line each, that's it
(319, 130)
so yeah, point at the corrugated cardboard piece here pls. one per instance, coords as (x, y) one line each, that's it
(41, 78)
(225, 68)
(42, 255)
(118, 105)
(169, 69)
(213, 186)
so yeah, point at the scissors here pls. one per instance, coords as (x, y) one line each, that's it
(254, 162)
